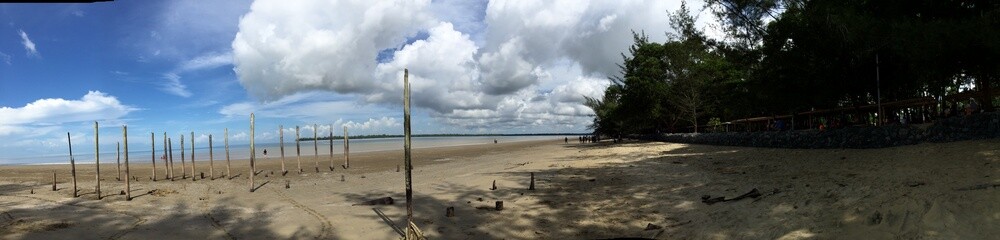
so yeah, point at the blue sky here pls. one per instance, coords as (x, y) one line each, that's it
(202, 66)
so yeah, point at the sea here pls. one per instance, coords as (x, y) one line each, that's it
(242, 151)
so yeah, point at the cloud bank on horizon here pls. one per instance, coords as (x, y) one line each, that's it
(500, 64)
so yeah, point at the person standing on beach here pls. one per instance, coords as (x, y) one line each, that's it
(566, 140)
(265, 153)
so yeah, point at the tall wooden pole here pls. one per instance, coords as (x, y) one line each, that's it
(97, 161)
(194, 171)
(229, 173)
(183, 165)
(166, 165)
(170, 155)
(315, 148)
(211, 159)
(118, 157)
(128, 184)
(298, 149)
(331, 148)
(347, 150)
(72, 163)
(281, 145)
(253, 170)
(406, 145)
(152, 144)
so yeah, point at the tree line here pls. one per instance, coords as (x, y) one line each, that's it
(786, 56)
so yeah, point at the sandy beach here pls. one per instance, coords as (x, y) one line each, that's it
(583, 191)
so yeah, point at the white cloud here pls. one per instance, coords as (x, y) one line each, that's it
(43, 113)
(309, 107)
(208, 61)
(505, 64)
(172, 85)
(5, 58)
(28, 44)
(373, 124)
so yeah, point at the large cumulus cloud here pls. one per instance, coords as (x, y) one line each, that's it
(499, 64)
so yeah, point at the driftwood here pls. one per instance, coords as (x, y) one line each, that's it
(377, 201)
(710, 200)
(449, 212)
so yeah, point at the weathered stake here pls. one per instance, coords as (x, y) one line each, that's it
(166, 166)
(331, 148)
(97, 161)
(298, 149)
(194, 171)
(406, 147)
(128, 185)
(532, 185)
(347, 150)
(53, 180)
(72, 163)
(183, 165)
(281, 146)
(253, 152)
(229, 174)
(211, 159)
(494, 185)
(118, 157)
(170, 155)
(315, 147)
(499, 205)
(152, 144)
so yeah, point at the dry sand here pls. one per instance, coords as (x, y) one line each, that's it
(932, 191)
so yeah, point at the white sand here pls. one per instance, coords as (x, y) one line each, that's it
(933, 191)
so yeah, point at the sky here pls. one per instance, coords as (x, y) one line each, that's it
(203, 66)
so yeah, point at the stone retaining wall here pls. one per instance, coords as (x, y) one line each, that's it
(979, 126)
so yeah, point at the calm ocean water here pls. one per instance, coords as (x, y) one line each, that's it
(242, 151)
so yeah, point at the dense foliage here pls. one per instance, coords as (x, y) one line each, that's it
(784, 56)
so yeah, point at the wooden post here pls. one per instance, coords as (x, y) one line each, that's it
(347, 150)
(72, 163)
(170, 155)
(54, 181)
(128, 185)
(229, 174)
(315, 147)
(532, 185)
(97, 161)
(298, 149)
(281, 146)
(194, 171)
(183, 165)
(331, 148)
(211, 159)
(118, 157)
(253, 170)
(406, 146)
(152, 144)
(166, 166)
(494, 185)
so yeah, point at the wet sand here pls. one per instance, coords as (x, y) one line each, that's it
(935, 191)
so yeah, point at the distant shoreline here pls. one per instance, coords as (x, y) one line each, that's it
(447, 135)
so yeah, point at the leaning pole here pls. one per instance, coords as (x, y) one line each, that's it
(406, 148)
(97, 162)
(253, 170)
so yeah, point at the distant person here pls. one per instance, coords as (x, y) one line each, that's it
(265, 153)
(566, 140)
(494, 141)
